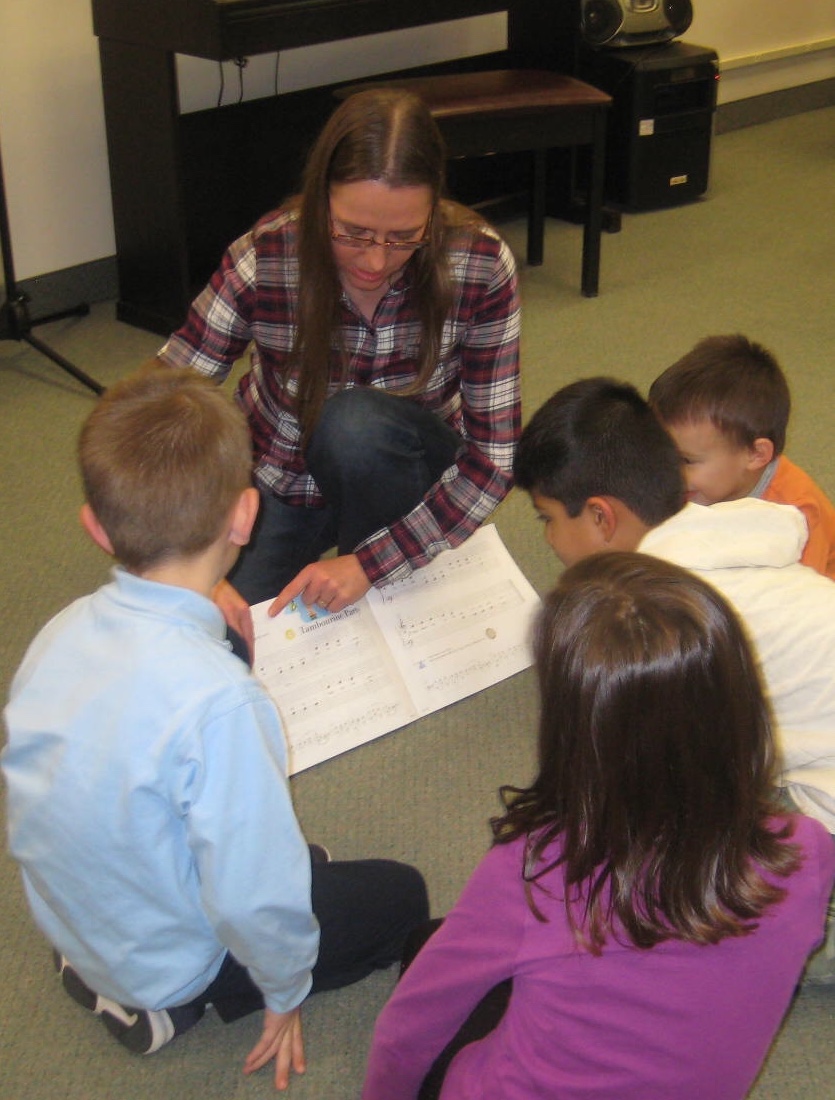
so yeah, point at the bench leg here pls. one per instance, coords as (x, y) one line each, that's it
(536, 210)
(594, 210)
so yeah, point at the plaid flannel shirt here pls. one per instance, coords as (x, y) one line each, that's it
(251, 301)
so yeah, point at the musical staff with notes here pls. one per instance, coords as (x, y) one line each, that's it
(449, 630)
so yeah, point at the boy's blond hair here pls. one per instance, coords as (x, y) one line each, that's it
(734, 383)
(164, 456)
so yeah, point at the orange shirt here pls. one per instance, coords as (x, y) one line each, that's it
(791, 485)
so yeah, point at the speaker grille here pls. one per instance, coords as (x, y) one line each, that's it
(679, 13)
(600, 21)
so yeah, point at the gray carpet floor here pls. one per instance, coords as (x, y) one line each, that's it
(754, 256)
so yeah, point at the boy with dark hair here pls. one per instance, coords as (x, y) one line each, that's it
(148, 802)
(726, 404)
(597, 438)
(577, 457)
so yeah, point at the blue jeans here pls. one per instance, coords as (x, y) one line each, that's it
(373, 456)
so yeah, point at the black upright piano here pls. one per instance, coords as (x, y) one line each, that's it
(185, 185)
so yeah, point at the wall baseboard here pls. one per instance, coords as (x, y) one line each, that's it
(780, 104)
(98, 281)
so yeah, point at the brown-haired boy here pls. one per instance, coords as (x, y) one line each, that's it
(726, 404)
(148, 804)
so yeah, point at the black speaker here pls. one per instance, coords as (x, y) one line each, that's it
(660, 125)
(633, 22)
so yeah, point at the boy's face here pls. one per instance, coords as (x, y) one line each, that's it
(572, 538)
(715, 468)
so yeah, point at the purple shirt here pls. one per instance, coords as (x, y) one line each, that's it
(678, 1020)
(253, 299)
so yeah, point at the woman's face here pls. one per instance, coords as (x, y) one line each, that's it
(373, 211)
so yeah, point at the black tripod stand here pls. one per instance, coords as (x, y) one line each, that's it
(15, 323)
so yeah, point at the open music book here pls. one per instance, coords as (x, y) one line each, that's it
(451, 629)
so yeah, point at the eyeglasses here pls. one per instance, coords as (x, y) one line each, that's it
(349, 240)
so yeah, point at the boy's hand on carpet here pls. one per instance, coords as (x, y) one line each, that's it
(281, 1039)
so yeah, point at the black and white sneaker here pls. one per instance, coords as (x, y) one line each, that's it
(141, 1031)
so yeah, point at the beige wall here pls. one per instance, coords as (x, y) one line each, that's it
(52, 127)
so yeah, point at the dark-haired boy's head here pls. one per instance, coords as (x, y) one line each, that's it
(726, 404)
(595, 455)
(165, 457)
(599, 437)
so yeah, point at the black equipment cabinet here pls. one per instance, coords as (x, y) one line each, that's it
(661, 121)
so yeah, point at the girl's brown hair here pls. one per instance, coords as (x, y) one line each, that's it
(656, 760)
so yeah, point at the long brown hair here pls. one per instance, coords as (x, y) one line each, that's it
(656, 760)
(384, 134)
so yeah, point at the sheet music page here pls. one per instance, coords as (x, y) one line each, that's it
(453, 628)
(461, 624)
(332, 678)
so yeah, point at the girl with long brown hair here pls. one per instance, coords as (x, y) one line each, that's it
(648, 897)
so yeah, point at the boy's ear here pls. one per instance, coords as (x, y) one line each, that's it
(760, 453)
(243, 517)
(604, 518)
(94, 529)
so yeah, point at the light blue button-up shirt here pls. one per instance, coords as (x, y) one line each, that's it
(148, 802)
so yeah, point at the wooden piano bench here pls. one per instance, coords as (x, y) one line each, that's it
(522, 110)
